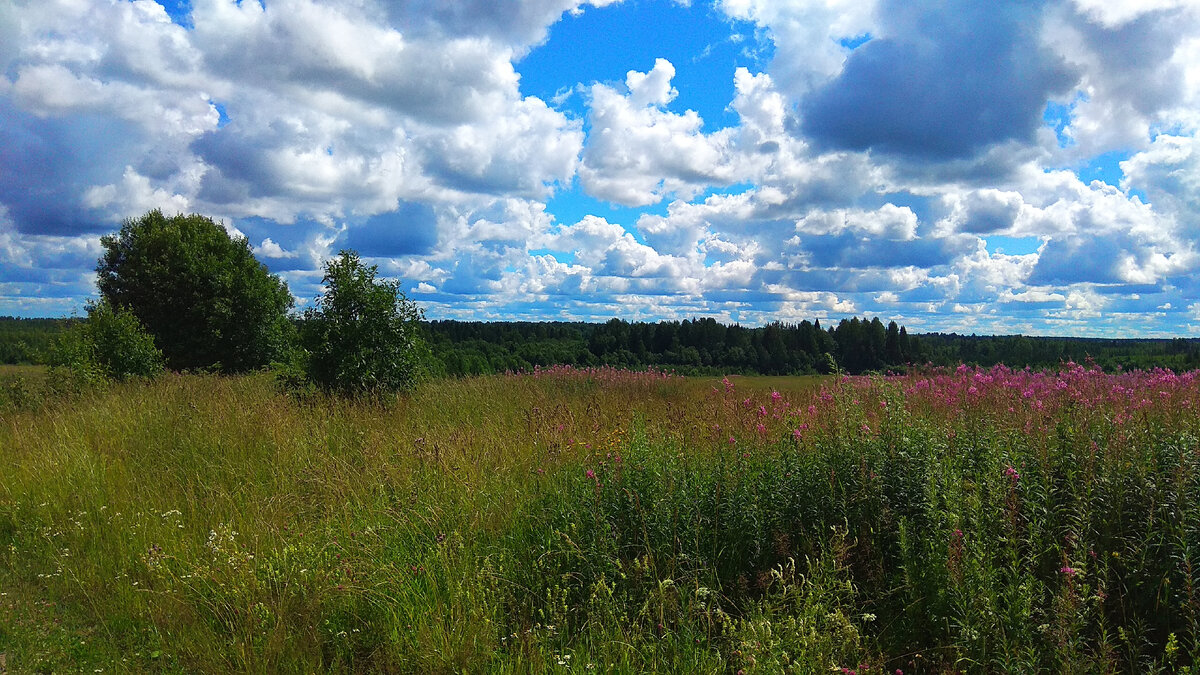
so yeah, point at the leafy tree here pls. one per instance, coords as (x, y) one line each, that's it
(110, 344)
(202, 295)
(363, 337)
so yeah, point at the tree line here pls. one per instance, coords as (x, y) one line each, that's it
(705, 346)
(701, 345)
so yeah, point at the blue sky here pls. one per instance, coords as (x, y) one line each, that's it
(954, 165)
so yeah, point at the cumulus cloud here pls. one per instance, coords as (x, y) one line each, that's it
(888, 222)
(1169, 172)
(940, 81)
(810, 35)
(984, 211)
(639, 152)
(1134, 70)
(288, 110)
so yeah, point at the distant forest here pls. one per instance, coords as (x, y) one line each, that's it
(705, 346)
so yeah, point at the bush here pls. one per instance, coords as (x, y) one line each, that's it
(110, 344)
(202, 295)
(363, 337)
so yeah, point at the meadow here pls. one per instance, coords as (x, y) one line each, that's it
(576, 520)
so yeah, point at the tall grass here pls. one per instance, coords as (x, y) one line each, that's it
(965, 521)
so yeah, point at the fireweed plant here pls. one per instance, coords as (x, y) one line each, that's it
(603, 520)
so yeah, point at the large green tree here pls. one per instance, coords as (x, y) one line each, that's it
(202, 295)
(363, 337)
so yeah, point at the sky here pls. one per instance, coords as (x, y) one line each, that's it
(978, 167)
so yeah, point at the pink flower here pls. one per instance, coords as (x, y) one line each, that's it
(589, 473)
(1069, 571)
(775, 396)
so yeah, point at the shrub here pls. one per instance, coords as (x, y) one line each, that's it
(363, 337)
(110, 344)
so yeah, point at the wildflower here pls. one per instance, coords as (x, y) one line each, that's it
(1069, 571)
(1012, 474)
(796, 434)
(590, 474)
(775, 396)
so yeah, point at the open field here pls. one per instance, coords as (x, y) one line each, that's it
(9, 372)
(964, 521)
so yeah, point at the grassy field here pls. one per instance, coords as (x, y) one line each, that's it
(605, 521)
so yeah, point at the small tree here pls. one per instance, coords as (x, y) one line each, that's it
(110, 344)
(202, 295)
(363, 337)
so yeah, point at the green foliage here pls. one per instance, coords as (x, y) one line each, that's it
(202, 295)
(27, 341)
(74, 353)
(123, 348)
(364, 336)
(109, 344)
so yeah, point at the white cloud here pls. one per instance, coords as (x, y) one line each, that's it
(331, 113)
(1113, 13)
(638, 152)
(808, 34)
(1169, 172)
(888, 222)
(1135, 74)
(270, 249)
